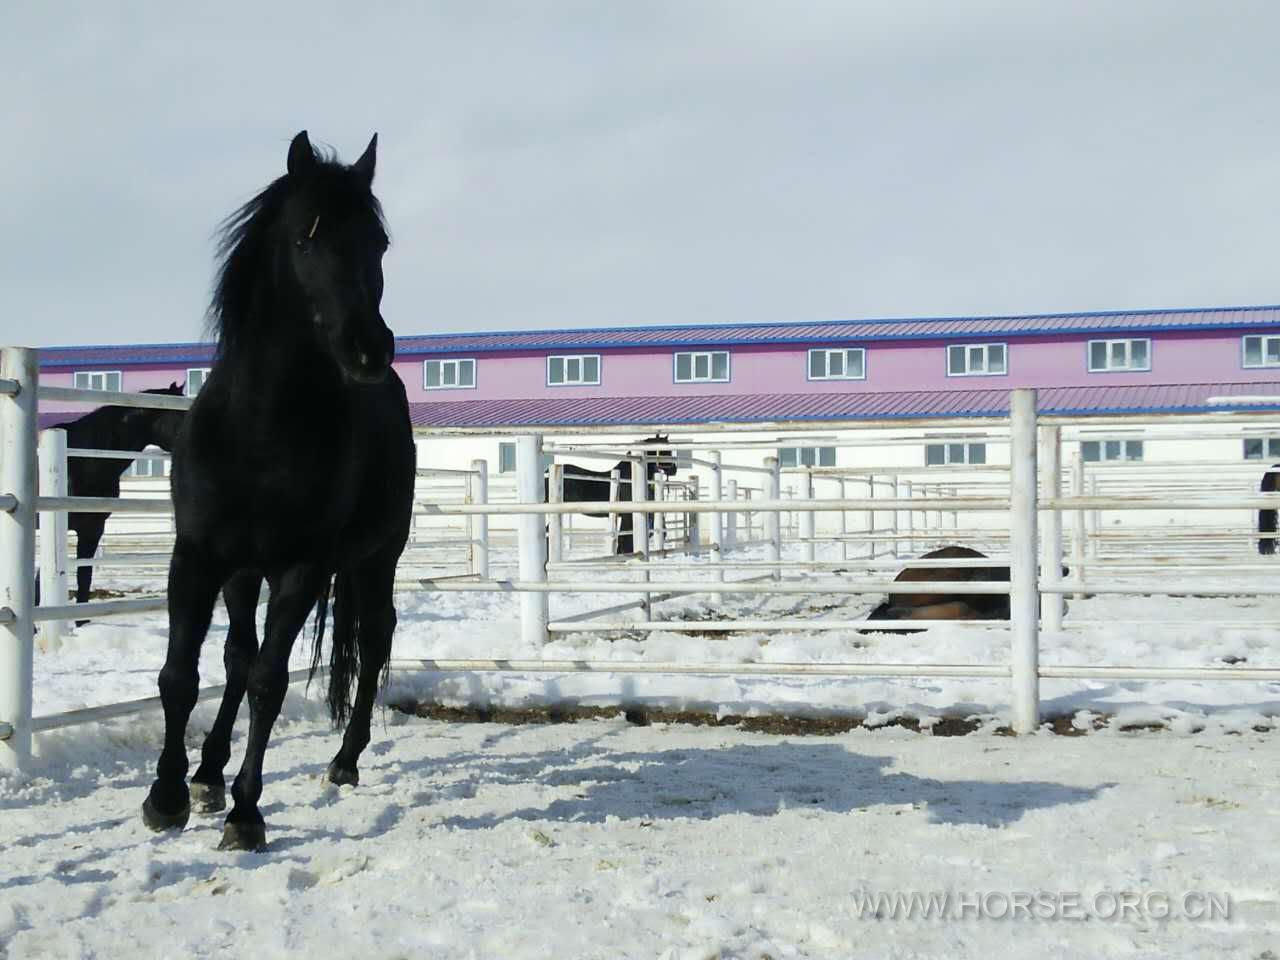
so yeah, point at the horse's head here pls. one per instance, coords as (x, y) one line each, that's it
(664, 460)
(303, 264)
(333, 238)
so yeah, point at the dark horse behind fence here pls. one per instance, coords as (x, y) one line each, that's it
(1267, 518)
(583, 484)
(295, 465)
(108, 428)
(938, 599)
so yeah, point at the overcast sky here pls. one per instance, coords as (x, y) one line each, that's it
(630, 162)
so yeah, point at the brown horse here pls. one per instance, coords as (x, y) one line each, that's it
(942, 604)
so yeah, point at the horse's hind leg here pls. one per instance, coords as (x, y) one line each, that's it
(625, 540)
(88, 536)
(293, 595)
(376, 613)
(193, 589)
(208, 787)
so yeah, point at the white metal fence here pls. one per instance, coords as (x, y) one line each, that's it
(709, 529)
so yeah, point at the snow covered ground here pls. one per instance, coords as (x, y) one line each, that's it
(603, 839)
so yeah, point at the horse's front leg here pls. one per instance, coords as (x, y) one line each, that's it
(293, 595)
(194, 582)
(208, 787)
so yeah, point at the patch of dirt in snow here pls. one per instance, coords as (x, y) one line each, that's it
(1064, 725)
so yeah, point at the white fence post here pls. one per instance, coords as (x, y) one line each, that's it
(53, 534)
(530, 488)
(1052, 604)
(718, 540)
(640, 528)
(844, 523)
(693, 521)
(555, 521)
(17, 553)
(479, 489)
(808, 523)
(1024, 606)
(615, 485)
(872, 546)
(660, 519)
(731, 521)
(908, 492)
(893, 519)
(773, 518)
(1094, 539)
(1079, 534)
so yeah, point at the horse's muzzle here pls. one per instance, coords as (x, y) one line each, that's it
(366, 362)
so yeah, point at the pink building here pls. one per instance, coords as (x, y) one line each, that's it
(1097, 362)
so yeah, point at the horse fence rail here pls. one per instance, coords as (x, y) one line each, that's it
(1026, 498)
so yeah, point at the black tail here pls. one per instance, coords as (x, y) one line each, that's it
(344, 657)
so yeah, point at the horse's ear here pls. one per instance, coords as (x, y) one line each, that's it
(301, 155)
(368, 160)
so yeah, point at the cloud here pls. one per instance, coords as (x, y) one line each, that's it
(576, 164)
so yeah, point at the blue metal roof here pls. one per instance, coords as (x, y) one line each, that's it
(758, 334)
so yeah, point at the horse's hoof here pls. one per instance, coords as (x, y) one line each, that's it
(244, 836)
(208, 797)
(342, 777)
(159, 821)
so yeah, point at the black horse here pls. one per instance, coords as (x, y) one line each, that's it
(1267, 518)
(109, 428)
(294, 465)
(582, 484)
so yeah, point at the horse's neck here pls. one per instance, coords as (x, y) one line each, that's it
(103, 430)
(273, 380)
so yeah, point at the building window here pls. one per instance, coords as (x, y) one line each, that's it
(807, 456)
(1262, 448)
(147, 466)
(976, 359)
(448, 374)
(1262, 351)
(944, 454)
(838, 364)
(708, 367)
(573, 371)
(1110, 451)
(98, 380)
(196, 377)
(507, 458)
(1109, 355)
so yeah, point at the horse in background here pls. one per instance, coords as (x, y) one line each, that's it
(943, 604)
(582, 484)
(109, 428)
(295, 465)
(939, 604)
(1267, 518)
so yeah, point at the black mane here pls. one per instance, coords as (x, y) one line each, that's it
(247, 255)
